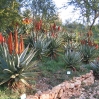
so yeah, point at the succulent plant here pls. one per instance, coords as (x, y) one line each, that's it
(72, 60)
(68, 37)
(54, 47)
(88, 52)
(95, 67)
(40, 44)
(16, 68)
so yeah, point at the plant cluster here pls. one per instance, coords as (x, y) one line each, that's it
(47, 45)
(15, 64)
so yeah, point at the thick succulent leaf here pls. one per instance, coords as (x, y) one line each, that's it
(11, 64)
(4, 75)
(29, 57)
(4, 81)
(16, 60)
(7, 71)
(29, 74)
(32, 64)
(3, 62)
(22, 56)
(25, 82)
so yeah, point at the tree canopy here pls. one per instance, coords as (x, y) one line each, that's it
(9, 13)
(89, 9)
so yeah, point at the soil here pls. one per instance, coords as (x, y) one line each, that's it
(48, 81)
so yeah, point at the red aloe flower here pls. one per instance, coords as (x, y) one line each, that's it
(10, 45)
(21, 45)
(40, 22)
(38, 26)
(58, 28)
(16, 42)
(53, 35)
(54, 27)
(27, 21)
(1, 38)
(96, 46)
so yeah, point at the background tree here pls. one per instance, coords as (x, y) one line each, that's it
(9, 14)
(89, 9)
(46, 9)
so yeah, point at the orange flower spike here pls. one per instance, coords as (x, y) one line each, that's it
(96, 46)
(58, 28)
(54, 26)
(1, 38)
(4, 40)
(38, 26)
(26, 21)
(10, 45)
(21, 45)
(16, 42)
(53, 35)
(40, 23)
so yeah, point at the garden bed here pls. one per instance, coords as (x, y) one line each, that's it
(64, 90)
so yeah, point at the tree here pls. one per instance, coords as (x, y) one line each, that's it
(44, 9)
(9, 14)
(89, 9)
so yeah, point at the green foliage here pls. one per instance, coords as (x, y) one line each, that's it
(49, 67)
(69, 37)
(9, 14)
(72, 60)
(14, 67)
(54, 47)
(88, 52)
(95, 67)
(40, 44)
(88, 9)
(5, 93)
(45, 9)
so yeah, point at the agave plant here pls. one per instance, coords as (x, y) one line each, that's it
(54, 47)
(68, 37)
(14, 68)
(41, 45)
(95, 67)
(72, 59)
(88, 52)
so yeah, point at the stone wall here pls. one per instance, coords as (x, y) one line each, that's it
(66, 89)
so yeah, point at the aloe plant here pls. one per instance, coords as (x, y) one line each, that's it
(40, 44)
(54, 47)
(72, 60)
(16, 68)
(95, 67)
(88, 52)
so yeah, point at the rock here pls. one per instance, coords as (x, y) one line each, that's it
(45, 96)
(77, 83)
(32, 97)
(60, 93)
(66, 89)
(72, 85)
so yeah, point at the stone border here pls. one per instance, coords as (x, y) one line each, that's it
(66, 89)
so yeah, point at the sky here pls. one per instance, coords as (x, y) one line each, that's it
(66, 14)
